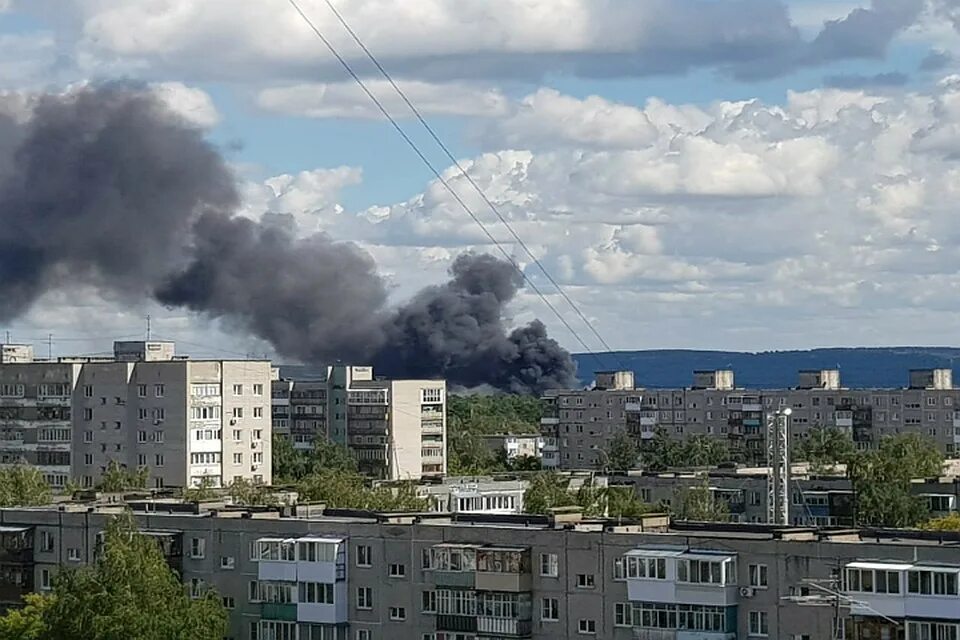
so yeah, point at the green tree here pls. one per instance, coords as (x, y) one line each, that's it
(622, 502)
(697, 503)
(704, 451)
(622, 453)
(289, 464)
(328, 455)
(117, 478)
(944, 523)
(349, 490)
(204, 491)
(525, 463)
(662, 452)
(243, 491)
(881, 480)
(129, 592)
(23, 486)
(824, 447)
(469, 455)
(547, 490)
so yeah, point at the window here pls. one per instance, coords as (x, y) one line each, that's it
(238, 458)
(47, 541)
(548, 565)
(237, 435)
(428, 602)
(398, 613)
(73, 553)
(197, 547)
(45, 582)
(426, 559)
(758, 623)
(237, 412)
(636, 567)
(316, 593)
(87, 391)
(932, 583)
(258, 412)
(158, 436)
(873, 581)
(142, 390)
(363, 634)
(196, 587)
(88, 458)
(226, 562)
(622, 614)
(705, 571)
(141, 460)
(758, 575)
(88, 436)
(398, 571)
(258, 389)
(88, 414)
(158, 460)
(587, 627)
(549, 610)
(585, 581)
(364, 598)
(228, 602)
(158, 390)
(238, 389)
(253, 589)
(364, 555)
(432, 396)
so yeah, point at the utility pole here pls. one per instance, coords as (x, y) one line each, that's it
(49, 346)
(148, 328)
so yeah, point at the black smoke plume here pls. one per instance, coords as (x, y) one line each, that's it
(107, 186)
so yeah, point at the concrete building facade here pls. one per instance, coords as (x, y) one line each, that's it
(184, 420)
(397, 429)
(366, 576)
(578, 424)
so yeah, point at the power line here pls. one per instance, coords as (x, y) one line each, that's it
(470, 180)
(403, 134)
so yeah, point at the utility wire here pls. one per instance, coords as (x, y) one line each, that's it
(403, 134)
(436, 138)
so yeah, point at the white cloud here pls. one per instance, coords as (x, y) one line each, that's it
(457, 39)
(347, 100)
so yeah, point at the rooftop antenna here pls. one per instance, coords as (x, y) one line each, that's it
(8, 337)
(148, 328)
(49, 346)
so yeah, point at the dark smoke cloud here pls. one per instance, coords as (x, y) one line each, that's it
(107, 186)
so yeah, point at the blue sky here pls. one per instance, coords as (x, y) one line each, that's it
(632, 205)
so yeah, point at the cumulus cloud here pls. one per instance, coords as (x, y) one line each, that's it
(347, 100)
(456, 39)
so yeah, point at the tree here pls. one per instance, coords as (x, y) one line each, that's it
(469, 455)
(944, 523)
(117, 478)
(824, 447)
(622, 502)
(622, 454)
(129, 592)
(547, 490)
(204, 491)
(697, 503)
(243, 491)
(525, 463)
(348, 490)
(662, 452)
(289, 464)
(881, 480)
(23, 486)
(704, 451)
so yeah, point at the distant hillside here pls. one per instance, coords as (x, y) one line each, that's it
(859, 367)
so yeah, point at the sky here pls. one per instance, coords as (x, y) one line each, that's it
(707, 174)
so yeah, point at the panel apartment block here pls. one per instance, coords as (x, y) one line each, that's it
(395, 428)
(366, 576)
(185, 420)
(578, 425)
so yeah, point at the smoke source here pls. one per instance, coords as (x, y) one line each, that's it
(107, 186)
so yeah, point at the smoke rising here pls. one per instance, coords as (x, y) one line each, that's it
(107, 186)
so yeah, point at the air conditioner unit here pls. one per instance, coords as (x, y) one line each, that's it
(747, 592)
(233, 422)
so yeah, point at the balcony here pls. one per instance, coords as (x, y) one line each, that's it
(278, 611)
(458, 579)
(449, 622)
(655, 634)
(504, 627)
(632, 407)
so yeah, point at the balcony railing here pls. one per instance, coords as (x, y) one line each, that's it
(449, 622)
(504, 627)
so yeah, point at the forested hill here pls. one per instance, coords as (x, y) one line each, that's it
(859, 367)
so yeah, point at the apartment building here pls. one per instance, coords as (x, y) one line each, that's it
(368, 576)
(397, 429)
(185, 420)
(577, 428)
(513, 446)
